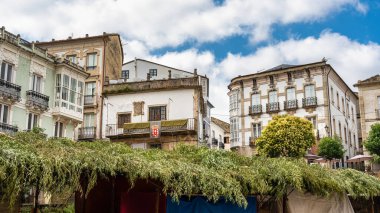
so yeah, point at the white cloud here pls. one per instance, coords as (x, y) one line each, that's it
(352, 60)
(163, 23)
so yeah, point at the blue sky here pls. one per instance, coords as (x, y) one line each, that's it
(222, 39)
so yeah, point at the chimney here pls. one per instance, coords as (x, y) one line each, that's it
(195, 72)
(86, 35)
(170, 74)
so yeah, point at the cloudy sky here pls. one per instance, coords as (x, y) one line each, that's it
(222, 38)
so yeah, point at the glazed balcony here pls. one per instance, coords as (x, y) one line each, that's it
(9, 91)
(309, 102)
(168, 127)
(273, 107)
(37, 100)
(87, 133)
(291, 105)
(255, 109)
(8, 129)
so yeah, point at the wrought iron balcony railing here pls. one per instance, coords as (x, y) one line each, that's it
(290, 105)
(309, 102)
(167, 126)
(87, 133)
(37, 100)
(255, 109)
(10, 91)
(8, 129)
(89, 100)
(273, 107)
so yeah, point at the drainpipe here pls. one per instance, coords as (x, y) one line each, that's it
(328, 93)
(102, 86)
(345, 117)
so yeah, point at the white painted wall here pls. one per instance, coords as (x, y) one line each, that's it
(219, 133)
(179, 105)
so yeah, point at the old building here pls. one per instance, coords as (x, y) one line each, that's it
(220, 134)
(150, 96)
(102, 58)
(38, 89)
(312, 91)
(369, 103)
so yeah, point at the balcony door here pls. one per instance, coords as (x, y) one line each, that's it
(310, 91)
(6, 72)
(36, 83)
(256, 99)
(90, 88)
(122, 119)
(256, 128)
(273, 97)
(157, 113)
(291, 94)
(4, 113)
(89, 120)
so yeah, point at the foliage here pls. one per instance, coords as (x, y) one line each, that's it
(286, 136)
(372, 143)
(181, 122)
(331, 148)
(142, 125)
(57, 165)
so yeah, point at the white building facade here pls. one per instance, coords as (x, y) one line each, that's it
(220, 134)
(311, 91)
(180, 102)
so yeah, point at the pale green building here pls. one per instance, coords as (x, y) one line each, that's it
(38, 89)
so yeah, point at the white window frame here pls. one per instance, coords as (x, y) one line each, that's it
(256, 99)
(34, 122)
(89, 120)
(234, 100)
(4, 118)
(91, 60)
(153, 72)
(37, 81)
(256, 130)
(59, 129)
(309, 93)
(272, 96)
(291, 91)
(8, 71)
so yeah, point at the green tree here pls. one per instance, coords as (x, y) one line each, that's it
(372, 144)
(286, 136)
(331, 148)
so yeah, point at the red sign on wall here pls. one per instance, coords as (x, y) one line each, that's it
(155, 129)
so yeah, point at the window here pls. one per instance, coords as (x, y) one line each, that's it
(4, 113)
(309, 91)
(234, 129)
(337, 100)
(345, 135)
(290, 77)
(271, 80)
(91, 60)
(6, 72)
(89, 120)
(308, 73)
(125, 74)
(69, 92)
(72, 58)
(80, 94)
(350, 138)
(90, 88)
(122, 119)
(153, 72)
(73, 93)
(332, 93)
(32, 121)
(291, 94)
(256, 128)
(352, 113)
(59, 129)
(213, 134)
(234, 100)
(272, 96)
(348, 110)
(313, 120)
(65, 91)
(254, 82)
(36, 83)
(157, 113)
(334, 126)
(343, 110)
(340, 130)
(256, 99)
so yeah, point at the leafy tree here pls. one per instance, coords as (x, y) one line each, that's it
(331, 148)
(372, 143)
(286, 136)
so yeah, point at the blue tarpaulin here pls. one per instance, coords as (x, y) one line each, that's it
(199, 204)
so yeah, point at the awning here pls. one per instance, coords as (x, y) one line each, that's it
(359, 158)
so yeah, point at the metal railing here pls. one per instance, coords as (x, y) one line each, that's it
(89, 100)
(36, 99)
(8, 129)
(273, 107)
(87, 133)
(115, 130)
(290, 104)
(255, 109)
(10, 90)
(309, 102)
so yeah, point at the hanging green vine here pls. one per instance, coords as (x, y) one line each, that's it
(58, 165)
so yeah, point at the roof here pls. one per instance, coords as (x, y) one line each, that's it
(70, 39)
(280, 67)
(224, 125)
(60, 164)
(139, 59)
(371, 80)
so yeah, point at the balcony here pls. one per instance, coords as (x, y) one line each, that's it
(87, 133)
(8, 129)
(9, 91)
(291, 105)
(37, 100)
(168, 127)
(255, 110)
(89, 100)
(273, 107)
(309, 102)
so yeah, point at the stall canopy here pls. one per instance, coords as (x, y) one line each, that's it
(359, 158)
